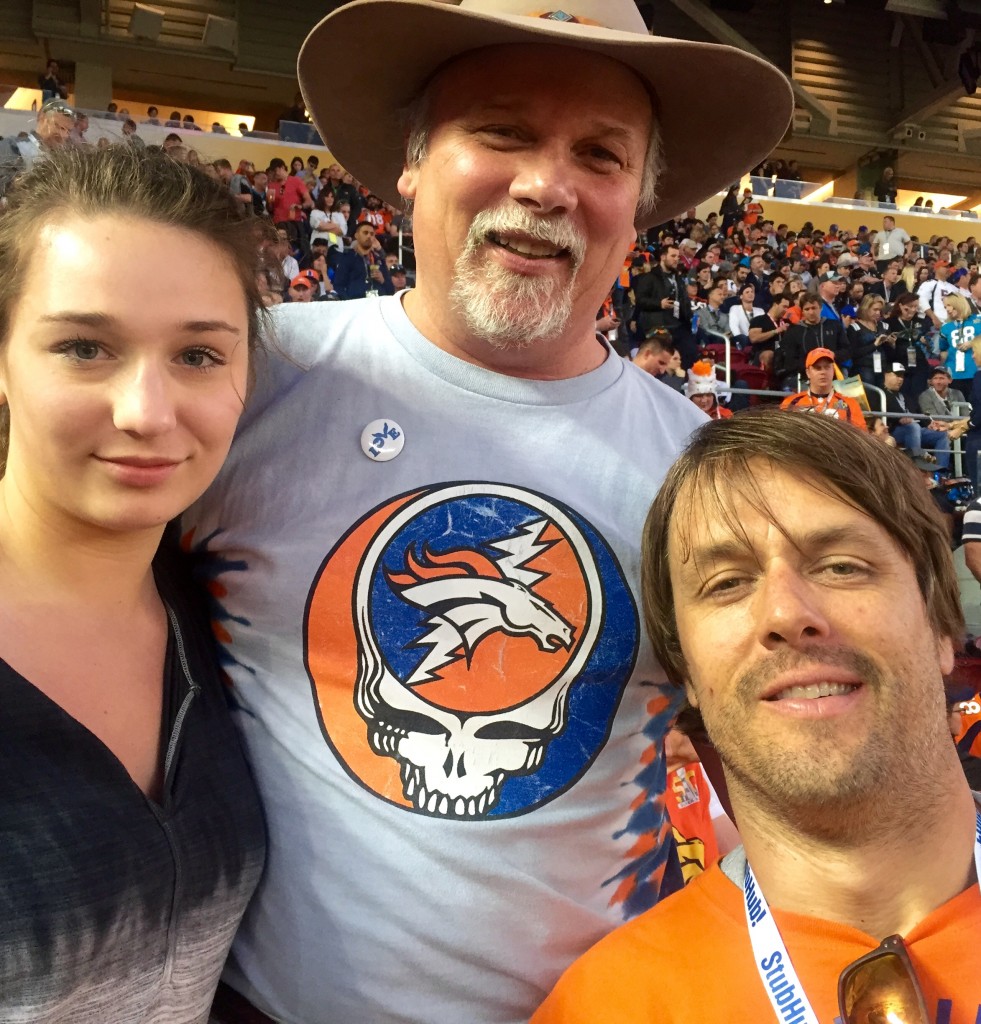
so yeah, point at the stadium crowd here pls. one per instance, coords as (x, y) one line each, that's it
(889, 311)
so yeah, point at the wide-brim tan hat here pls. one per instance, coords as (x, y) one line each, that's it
(383, 52)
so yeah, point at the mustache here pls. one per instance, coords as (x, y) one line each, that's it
(755, 680)
(556, 230)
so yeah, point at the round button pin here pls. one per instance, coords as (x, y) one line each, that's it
(382, 440)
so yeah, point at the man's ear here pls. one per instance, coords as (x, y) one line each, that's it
(945, 646)
(408, 182)
(690, 693)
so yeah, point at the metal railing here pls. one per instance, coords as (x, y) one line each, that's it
(956, 449)
(723, 340)
(882, 398)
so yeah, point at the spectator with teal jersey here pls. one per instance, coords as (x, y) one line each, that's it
(957, 338)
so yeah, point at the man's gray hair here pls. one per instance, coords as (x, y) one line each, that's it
(417, 128)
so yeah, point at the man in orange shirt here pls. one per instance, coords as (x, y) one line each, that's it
(820, 396)
(375, 214)
(799, 584)
(752, 208)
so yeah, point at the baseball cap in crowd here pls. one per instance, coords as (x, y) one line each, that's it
(818, 353)
(58, 106)
(944, 370)
(829, 276)
(306, 279)
(849, 311)
(356, 98)
(941, 263)
(846, 259)
(898, 368)
(957, 275)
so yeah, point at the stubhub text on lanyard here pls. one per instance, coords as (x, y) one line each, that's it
(776, 971)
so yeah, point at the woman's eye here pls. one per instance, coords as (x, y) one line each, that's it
(85, 350)
(79, 350)
(200, 358)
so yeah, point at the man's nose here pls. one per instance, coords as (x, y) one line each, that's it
(787, 608)
(544, 181)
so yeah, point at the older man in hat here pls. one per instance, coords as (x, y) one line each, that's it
(425, 541)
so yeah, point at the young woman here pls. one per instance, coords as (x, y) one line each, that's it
(872, 349)
(911, 347)
(703, 282)
(796, 289)
(729, 210)
(957, 337)
(131, 832)
(741, 247)
(326, 222)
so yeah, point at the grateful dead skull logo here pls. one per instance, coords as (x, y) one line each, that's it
(468, 646)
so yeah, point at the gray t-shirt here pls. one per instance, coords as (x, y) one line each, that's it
(890, 244)
(451, 711)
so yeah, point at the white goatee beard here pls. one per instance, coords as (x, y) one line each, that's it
(507, 310)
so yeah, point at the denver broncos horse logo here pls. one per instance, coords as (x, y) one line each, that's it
(449, 684)
(469, 597)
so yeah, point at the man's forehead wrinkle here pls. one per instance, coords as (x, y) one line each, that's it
(725, 489)
(445, 84)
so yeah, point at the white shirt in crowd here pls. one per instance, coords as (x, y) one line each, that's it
(290, 267)
(739, 321)
(318, 218)
(931, 295)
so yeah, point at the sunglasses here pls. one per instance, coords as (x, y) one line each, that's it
(882, 988)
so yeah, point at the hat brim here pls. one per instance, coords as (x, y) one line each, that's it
(357, 94)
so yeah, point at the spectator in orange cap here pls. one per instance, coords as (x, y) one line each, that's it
(820, 396)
